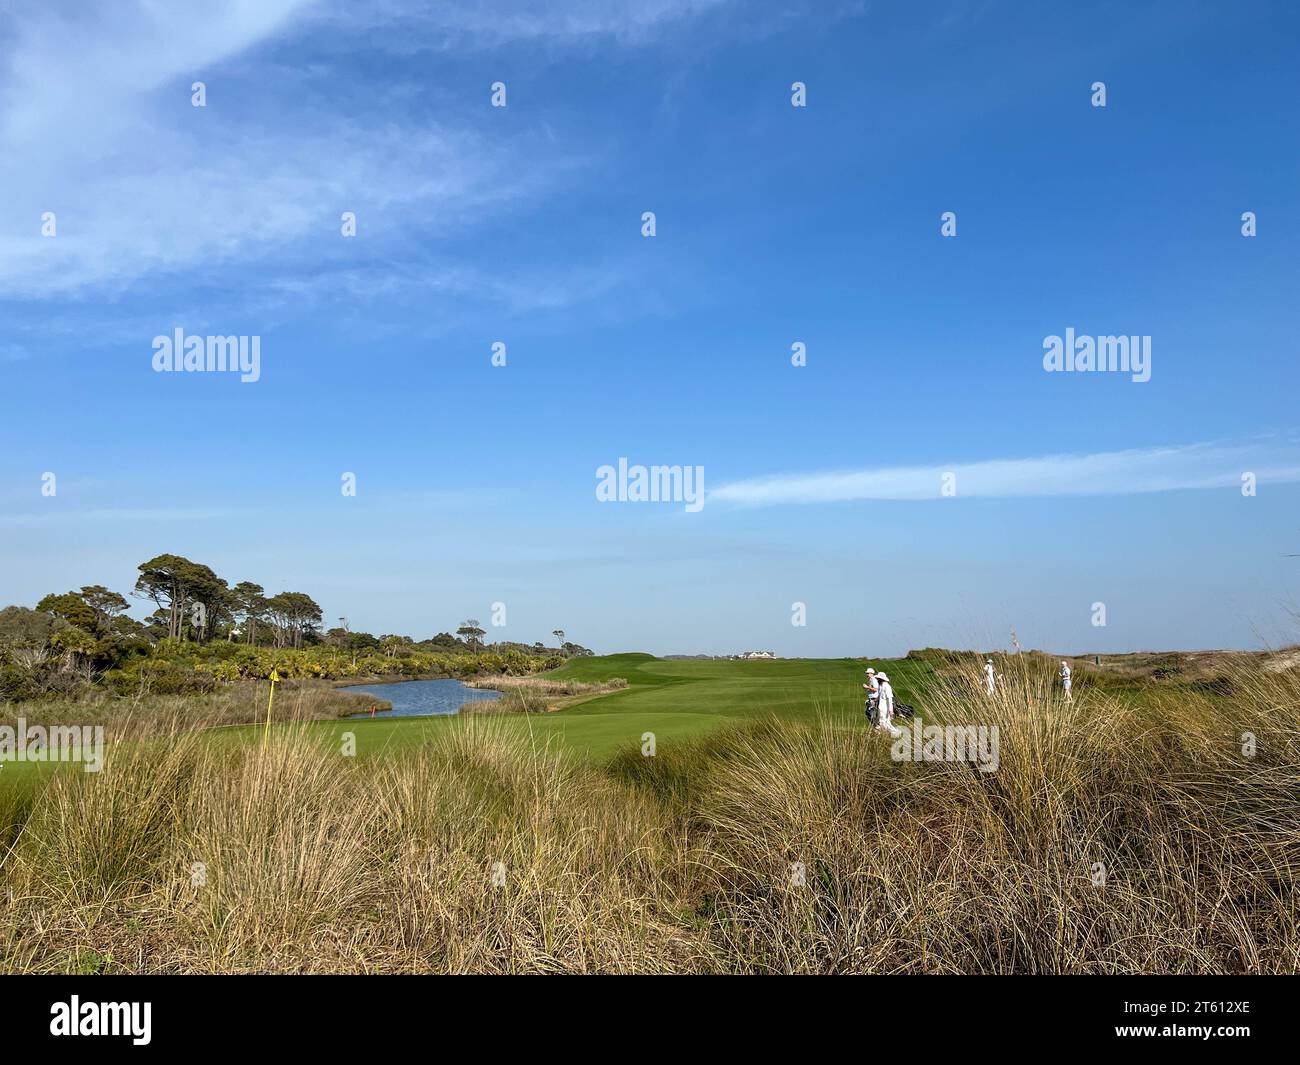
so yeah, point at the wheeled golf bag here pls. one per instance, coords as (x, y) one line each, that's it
(904, 711)
(871, 707)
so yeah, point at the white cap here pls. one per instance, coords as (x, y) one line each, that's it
(870, 670)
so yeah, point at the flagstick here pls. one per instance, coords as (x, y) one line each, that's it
(266, 735)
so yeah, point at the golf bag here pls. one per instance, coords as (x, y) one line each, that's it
(900, 710)
(870, 709)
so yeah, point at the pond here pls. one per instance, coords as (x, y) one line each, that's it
(422, 698)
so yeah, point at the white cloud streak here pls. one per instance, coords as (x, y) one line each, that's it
(1130, 472)
(458, 22)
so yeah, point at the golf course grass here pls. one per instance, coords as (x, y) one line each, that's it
(672, 698)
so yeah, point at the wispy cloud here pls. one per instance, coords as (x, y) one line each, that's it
(458, 22)
(143, 185)
(513, 289)
(1163, 469)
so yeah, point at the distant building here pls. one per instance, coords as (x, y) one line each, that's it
(756, 654)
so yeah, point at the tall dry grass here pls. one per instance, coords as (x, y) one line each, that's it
(477, 854)
(1110, 839)
(535, 695)
(151, 714)
(774, 848)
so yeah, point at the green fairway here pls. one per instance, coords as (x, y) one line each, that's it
(673, 698)
(593, 735)
(794, 687)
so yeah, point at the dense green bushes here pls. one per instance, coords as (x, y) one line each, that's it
(174, 668)
(179, 668)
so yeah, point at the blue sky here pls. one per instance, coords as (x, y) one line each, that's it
(775, 224)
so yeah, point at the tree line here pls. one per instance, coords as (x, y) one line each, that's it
(192, 603)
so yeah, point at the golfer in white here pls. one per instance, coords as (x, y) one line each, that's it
(989, 676)
(873, 692)
(885, 706)
(1065, 679)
